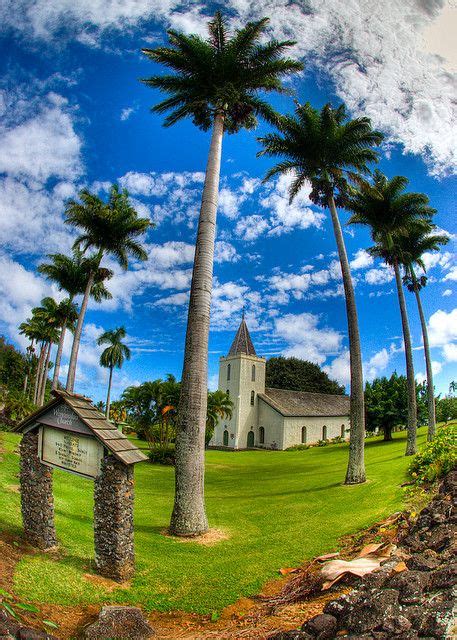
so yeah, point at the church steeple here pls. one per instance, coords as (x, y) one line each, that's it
(242, 342)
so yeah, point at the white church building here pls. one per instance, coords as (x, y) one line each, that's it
(272, 418)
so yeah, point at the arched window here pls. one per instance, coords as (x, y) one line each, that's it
(228, 371)
(225, 438)
(343, 431)
(253, 373)
(303, 435)
(252, 397)
(324, 432)
(262, 435)
(250, 439)
(228, 392)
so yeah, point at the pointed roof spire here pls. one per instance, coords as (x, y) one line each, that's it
(242, 342)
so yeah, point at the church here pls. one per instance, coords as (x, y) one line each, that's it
(272, 418)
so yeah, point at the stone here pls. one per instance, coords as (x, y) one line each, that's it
(440, 538)
(411, 585)
(27, 633)
(436, 620)
(339, 608)
(290, 635)
(370, 614)
(119, 623)
(444, 578)
(37, 501)
(426, 561)
(396, 625)
(113, 520)
(322, 626)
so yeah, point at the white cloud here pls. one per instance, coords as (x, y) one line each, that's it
(225, 252)
(361, 260)
(379, 276)
(126, 113)
(446, 293)
(251, 227)
(376, 364)
(339, 368)
(305, 339)
(451, 275)
(450, 352)
(442, 327)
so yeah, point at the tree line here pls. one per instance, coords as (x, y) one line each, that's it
(220, 83)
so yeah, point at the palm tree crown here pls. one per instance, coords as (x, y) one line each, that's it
(411, 247)
(117, 352)
(221, 74)
(322, 147)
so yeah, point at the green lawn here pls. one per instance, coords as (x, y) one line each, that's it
(279, 508)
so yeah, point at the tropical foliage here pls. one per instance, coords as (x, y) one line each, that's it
(299, 375)
(437, 457)
(113, 356)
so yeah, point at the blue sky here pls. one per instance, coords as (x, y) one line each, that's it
(73, 114)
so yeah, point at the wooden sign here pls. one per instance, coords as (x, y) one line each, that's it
(63, 417)
(71, 451)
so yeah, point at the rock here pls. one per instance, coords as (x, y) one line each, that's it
(411, 585)
(340, 608)
(27, 633)
(119, 623)
(322, 626)
(426, 561)
(291, 635)
(440, 538)
(370, 614)
(435, 620)
(396, 626)
(444, 578)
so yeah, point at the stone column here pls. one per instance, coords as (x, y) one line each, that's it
(37, 501)
(113, 520)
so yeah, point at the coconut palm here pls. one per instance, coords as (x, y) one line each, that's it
(217, 82)
(67, 315)
(327, 150)
(219, 406)
(26, 329)
(47, 327)
(389, 211)
(412, 246)
(110, 229)
(71, 274)
(113, 356)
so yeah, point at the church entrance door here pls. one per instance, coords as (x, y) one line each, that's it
(250, 439)
(226, 438)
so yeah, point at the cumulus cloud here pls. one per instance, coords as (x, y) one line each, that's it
(446, 293)
(249, 228)
(379, 276)
(305, 339)
(362, 259)
(339, 368)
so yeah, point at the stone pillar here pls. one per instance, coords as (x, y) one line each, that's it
(113, 520)
(37, 501)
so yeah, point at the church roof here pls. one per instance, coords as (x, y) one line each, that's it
(306, 404)
(242, 342)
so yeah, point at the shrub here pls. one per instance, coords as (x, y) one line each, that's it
(162, 454)
(436, 458)
(299, 447)
(14, 407)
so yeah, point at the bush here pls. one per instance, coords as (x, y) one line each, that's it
(162, 454)
(299, 447)
(14, 407)
(436, 458)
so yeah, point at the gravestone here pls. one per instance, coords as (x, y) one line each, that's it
(70, 434)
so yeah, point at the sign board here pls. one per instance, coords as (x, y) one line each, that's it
(70, 451)
(63, 417)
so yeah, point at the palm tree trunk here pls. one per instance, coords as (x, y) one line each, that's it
(55, 379)
(356, 465)
(44, 377)
(412, 408)
(77, 337)
(108, 396)
(189, 515)
(428, 362)
(39, 370)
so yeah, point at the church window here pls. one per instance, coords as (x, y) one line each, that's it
(250, 442)
(324, 432)
(343, 431)
(262, 435)
(252, 397)
(225, 438)
(228, 371)
(303, 435)
(253, 373)
(228, 392)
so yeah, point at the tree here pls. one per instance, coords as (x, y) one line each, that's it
(446, 409)
(299, 375)
(389, 211)
(71, 274)
(219, 406)
(411, 248)
(113, 356)
(452, 386)
(327, 149)
(47, 325)
(386, 403)
(110, 228)
(216, 82)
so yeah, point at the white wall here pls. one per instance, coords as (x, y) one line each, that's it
(314, 429)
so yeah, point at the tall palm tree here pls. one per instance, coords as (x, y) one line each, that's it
(110, 228)
(219, 406)
(217, 82)
(113, 356)
(47, 326)
(67, 315)
(71, 274)
(327, 150)
(388, 210)
(26, 329)
(411, 247)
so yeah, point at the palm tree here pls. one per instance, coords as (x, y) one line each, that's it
(110, 228)
(412, 246)
(47, 328)
(217, 83)
(389, 211)
(67, 315)
(113, 356)
(219, 406)
(71, 274)
(26, 328)
(327, 149)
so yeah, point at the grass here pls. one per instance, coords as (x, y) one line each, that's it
(279, 509)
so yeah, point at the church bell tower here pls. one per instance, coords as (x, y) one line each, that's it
(242, 376)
